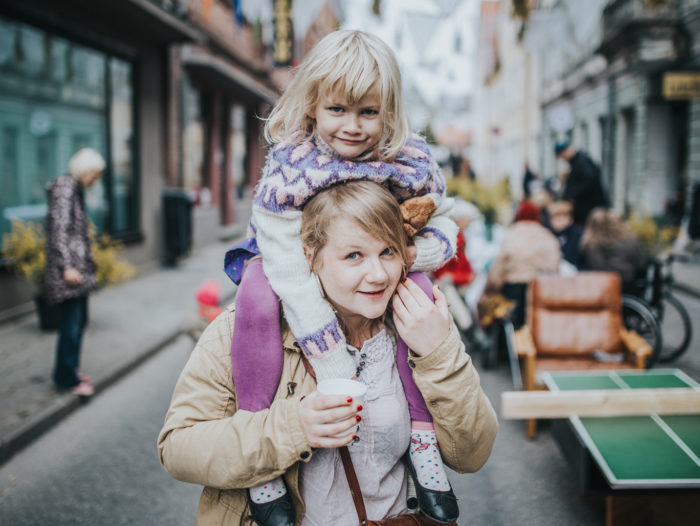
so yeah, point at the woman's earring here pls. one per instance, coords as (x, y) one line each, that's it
(320, 287)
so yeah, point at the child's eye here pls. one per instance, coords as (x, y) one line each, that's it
(353, 255)
(388, 252)
(336, 109)
(370, 111)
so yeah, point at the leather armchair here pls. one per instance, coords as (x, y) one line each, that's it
(575, 323)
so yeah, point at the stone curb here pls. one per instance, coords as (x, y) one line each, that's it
(38, 424)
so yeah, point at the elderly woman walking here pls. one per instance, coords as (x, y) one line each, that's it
(70, 269)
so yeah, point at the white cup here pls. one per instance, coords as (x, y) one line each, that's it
(345, 387)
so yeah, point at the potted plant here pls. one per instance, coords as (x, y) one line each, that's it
(24, 245)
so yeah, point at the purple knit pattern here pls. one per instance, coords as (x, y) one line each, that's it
(319, 343)
(447, 249)
(294, 173)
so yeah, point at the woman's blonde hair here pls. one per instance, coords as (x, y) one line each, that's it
(368, 204)
(348, 64)
(604, 227)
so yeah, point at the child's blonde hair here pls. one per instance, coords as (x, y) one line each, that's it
(346, 63)
(368, 204)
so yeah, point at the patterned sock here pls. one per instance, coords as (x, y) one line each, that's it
(425, 457)
(268, 491)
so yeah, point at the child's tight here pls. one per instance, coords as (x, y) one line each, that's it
(256, 349)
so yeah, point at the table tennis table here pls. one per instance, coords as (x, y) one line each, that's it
(632, 460)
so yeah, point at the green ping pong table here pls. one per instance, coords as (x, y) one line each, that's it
(626, 456)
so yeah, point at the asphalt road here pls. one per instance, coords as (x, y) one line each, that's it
(99, 466)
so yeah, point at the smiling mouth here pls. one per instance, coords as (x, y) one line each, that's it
(374, 294)
(350, 141)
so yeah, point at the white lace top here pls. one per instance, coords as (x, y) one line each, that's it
(384, 434)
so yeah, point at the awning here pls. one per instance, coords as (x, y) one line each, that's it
(226, 73)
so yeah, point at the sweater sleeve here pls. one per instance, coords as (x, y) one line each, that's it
(59, 218)
(310, 317)
(436, 243)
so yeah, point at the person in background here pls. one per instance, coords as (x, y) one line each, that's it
(526, 250)
(561, 223)
(70, 268)
(608, 244)
(583, 185)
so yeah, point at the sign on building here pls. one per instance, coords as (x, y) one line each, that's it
(283, 33)
(681, 85)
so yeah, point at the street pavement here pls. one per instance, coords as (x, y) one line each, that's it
(128, 323)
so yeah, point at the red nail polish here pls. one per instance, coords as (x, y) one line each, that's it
(354, 437)
(349, 400)
(358, 417)
(359, 408)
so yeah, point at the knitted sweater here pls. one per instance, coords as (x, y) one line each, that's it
(292, 175)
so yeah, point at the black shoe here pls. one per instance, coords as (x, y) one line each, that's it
(278, 512)
(440, 506)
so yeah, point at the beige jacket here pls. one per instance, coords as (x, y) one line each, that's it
(206, 441)
(527, 249)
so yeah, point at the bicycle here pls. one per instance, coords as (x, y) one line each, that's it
(651, 293)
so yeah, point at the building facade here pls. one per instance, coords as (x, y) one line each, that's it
(171, 92)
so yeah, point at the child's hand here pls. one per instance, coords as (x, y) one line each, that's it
(422, 324)
(323, 416)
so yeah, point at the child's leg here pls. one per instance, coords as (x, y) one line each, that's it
(257, 358)
(416, 405)
(256, 348)
(424, 452)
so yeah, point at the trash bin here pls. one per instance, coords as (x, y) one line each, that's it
(177, 224)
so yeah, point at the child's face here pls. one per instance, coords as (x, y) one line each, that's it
(350, 129)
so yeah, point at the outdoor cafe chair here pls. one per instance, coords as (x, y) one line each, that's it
(575, 323)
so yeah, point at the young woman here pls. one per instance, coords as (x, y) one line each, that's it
(355, 246)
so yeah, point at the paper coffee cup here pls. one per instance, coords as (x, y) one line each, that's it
(345, 387)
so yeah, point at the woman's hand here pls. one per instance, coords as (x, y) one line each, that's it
(422, 324)
(72, 276)
(323, 416)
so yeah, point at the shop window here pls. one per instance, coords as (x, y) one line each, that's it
(56, 97)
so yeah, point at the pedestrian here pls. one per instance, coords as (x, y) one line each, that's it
(609, 245)
(70, 269)
(341, 118)
(561, 223)
(355, 247)
(531, 182)
(527, 249)
(582, 185)
(208, 296)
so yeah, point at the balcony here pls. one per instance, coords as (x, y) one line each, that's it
(645, 32)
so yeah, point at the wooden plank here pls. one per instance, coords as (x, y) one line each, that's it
(599, 402)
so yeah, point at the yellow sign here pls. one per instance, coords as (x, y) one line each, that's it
(282, 50)
(681, 85)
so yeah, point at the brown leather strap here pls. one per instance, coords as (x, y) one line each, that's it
(354, 484)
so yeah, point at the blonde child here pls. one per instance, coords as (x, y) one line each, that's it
(341, 118)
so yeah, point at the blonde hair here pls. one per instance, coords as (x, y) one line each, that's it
(85, 160)
(368, 204)
(349, 64)
(604, 227)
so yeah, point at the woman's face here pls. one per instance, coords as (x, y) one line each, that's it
(359, 272)
(90, 178)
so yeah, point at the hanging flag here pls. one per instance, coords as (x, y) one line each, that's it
(282, 50)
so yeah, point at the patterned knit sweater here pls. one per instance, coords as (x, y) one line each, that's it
(292, 175)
